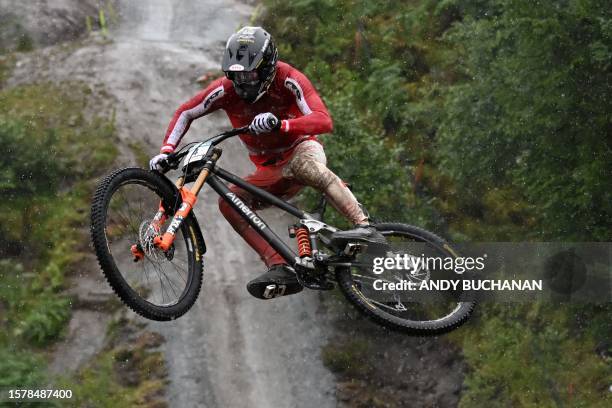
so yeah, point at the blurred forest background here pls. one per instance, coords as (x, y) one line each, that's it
(498, 116)
(483, 120)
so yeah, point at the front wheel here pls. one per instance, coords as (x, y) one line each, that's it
(403, 311)
(157, 285)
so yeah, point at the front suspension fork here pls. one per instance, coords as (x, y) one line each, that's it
(164, 242)
(189, 197)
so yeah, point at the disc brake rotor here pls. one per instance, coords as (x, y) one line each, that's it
(146, 234)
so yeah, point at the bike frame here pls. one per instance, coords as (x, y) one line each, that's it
(214, 180)
(212, 175)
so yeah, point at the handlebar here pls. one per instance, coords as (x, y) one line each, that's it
(173, 159)
(226, 135)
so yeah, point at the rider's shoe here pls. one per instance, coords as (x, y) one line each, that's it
(361, 232)
(280, 280)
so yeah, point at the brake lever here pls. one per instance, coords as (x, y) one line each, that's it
(171, 162)
(165, 166)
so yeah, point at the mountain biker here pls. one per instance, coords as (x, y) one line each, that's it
(258, 87)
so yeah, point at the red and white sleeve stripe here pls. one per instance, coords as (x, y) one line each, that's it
(196, 107)
(316, 119)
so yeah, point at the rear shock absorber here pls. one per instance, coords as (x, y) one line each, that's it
(303, 240)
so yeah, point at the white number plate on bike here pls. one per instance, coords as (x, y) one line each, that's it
(196, 153)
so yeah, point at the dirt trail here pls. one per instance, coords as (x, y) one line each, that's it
(230, 350)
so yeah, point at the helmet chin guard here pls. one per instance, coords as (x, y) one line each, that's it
(252, 92)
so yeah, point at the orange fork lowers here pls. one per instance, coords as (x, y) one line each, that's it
(164, 242)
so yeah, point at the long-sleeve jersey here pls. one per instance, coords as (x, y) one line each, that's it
(291, 97)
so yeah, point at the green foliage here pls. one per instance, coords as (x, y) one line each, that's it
(503, 95)
(536, 112)
(104, 18)
(97, 386)
(25, 43)
(140, 153)
(44, 320)
(351, 142)
(6, 66)
(29, 166)
(13, 35)
(129, 373)
(46, 191)
(48, 139)
(348, 357)
(20, 369)
(77, 139)
(555, 355)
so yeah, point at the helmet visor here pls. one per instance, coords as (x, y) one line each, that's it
(245, 78)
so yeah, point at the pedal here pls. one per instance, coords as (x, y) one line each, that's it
(273, 290)
(353, 248)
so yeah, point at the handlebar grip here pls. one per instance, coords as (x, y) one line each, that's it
(273, 122)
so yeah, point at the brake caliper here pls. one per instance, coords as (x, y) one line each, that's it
(138, 253)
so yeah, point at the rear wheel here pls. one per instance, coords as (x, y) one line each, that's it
(425, 313)
(160, 285)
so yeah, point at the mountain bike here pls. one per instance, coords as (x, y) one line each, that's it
(150, 247)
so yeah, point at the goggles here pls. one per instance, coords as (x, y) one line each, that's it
(245, 77)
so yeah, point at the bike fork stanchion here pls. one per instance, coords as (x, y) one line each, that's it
(197, 186)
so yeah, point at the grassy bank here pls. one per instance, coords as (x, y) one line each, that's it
(46, 192)
(55, 152)
(128, 372)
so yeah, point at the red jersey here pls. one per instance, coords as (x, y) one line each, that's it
(291, 97)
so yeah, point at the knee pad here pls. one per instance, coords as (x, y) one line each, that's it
(312, 173)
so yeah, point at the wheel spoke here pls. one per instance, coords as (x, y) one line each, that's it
(178, 271)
